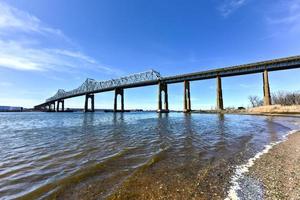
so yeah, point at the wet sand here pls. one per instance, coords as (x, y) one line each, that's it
(159, 179)
(279, 170)
(156, 182)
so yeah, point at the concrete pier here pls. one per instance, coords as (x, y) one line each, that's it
(163, 87)
(187, 97)
(62, 102)
(119, 91)
(51, 107)
(86, 105)
(219, 94)
(266, 87)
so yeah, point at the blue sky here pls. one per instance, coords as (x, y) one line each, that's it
(50, 44)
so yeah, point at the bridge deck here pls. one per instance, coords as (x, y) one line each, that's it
(257, 67)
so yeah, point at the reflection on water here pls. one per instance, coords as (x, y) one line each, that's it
(127, 155)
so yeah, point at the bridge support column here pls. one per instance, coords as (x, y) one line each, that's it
(62, 102)
(53, 107)
(267, 93)
(219, 94)
(86, 105)
(50, 107)
(163, 87)
(57, 106)
(187, 97)
(119, 91)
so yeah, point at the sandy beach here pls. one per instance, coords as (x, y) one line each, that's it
(278, 171)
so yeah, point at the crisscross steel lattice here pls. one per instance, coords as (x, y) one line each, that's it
(91, 85)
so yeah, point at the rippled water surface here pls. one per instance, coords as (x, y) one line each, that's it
(129, 155)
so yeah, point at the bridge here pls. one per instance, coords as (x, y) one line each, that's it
(90, 87)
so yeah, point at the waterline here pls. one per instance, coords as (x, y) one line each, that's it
(242, 169)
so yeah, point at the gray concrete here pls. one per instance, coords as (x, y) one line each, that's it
(86, 104)
(187, 97)
(62, 102)
(163, 87)
(119, 91)
(266, 87)
(219, 94)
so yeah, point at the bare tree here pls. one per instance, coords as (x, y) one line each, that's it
(255, 101)
(286, 98)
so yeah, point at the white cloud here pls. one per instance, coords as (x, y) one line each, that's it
(15, 19)
(77, 54)
(229, 6)
(26, 43)
(287, 14)
(15, 55)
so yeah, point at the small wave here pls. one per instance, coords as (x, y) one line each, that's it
(155, 158)
(240, 170)
(53, 188)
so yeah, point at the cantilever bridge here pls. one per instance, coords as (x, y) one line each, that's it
(91, 86)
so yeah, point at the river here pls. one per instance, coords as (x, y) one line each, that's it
(142, 155)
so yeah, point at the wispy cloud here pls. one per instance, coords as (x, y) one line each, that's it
(15, 55)
(77, 55)
(229, 6)
(12, 19)
(26, 43)
(287, 14)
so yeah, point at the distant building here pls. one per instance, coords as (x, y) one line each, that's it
(10, 109)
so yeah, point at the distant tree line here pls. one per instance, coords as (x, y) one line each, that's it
(281, 98)
(286, 98)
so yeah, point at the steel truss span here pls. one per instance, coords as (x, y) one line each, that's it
(93, 86)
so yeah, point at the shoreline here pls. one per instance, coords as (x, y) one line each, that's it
(278, 171)
(271, 174)
(296, 114)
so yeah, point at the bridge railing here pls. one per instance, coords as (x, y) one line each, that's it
(270, 65)
(91, 85)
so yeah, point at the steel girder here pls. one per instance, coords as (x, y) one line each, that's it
(91, 85)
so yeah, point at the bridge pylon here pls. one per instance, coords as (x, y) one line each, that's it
(266, 88)
(163, 87)
(86, 105)
(62, 102)
(187, 97)
(119, 91)
(220, 105)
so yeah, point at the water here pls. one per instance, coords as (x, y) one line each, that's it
(129, 155)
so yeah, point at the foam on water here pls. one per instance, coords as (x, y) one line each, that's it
(240, 170)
